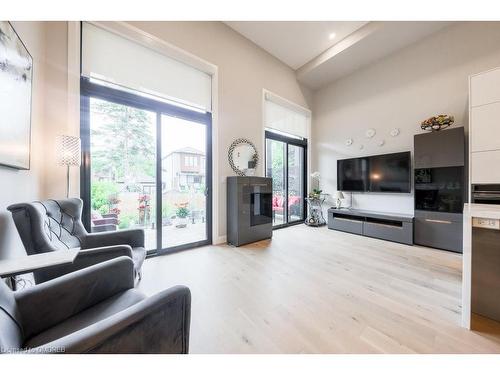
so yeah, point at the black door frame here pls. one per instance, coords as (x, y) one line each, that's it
(90, 89)
(300, 142)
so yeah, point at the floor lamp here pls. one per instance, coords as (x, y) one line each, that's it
(69, 153)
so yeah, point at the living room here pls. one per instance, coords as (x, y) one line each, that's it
(249, 185)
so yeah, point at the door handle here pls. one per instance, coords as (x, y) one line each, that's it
(438, 221)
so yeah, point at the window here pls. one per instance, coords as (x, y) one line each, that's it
(129, 140)
(286, 118)
(190, 161)
(164, 77)
(285, 162)
(287, 129)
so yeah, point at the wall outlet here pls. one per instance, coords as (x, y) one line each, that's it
(480, 222)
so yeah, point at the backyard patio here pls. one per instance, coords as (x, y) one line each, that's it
(173, 236)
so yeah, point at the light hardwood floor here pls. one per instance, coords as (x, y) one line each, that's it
(312, 290)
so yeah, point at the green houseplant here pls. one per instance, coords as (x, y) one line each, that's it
(182, 213)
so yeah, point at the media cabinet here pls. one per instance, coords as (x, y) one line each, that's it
(391, 227)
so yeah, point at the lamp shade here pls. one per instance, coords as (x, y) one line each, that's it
(339, 195)
(69, 150)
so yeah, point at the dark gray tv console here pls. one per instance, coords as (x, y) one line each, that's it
(391, 227)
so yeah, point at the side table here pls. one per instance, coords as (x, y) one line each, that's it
(315, 216)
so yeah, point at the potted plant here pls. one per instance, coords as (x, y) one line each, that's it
(253, 161)
(315, 194)
(182, 214)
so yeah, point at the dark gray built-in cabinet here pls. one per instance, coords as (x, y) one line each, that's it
(439, 168)
(249, 209)
(391, 227)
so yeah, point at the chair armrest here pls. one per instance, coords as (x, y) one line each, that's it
(104, 228)
(85, 258)
(51, 302)
(158, 324)
(131, 237)
(109, 220)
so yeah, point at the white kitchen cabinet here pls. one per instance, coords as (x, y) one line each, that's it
(485, 88)
(485, 167)
(485, 127)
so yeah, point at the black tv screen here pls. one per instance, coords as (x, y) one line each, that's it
(352, 174)
(388, 173)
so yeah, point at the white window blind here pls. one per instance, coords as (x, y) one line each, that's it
(286, 117)
(112, 58)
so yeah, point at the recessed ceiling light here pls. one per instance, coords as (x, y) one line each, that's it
(332, 36)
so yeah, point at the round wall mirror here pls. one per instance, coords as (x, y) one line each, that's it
(243, 157)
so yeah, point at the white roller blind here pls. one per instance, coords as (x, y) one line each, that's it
(109, 57)
(286, 117)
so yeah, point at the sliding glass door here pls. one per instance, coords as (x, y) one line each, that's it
(147, 165)
(123, 173)
(184, 181)
(286, 163)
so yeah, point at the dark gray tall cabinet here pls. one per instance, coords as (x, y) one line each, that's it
(440, 189)
(249, 209)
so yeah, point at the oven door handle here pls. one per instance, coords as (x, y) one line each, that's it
(438, 221)
(486, 195)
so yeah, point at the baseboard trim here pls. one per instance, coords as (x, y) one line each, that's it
(220, 240)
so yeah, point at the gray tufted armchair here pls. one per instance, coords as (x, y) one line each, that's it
(55, 225)
(94, 310)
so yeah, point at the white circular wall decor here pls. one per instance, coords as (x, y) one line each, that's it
(381, 143)
(349, 142)
(395, 132)
(370, 133)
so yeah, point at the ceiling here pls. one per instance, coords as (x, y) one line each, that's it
(295, 42)
(306, 46)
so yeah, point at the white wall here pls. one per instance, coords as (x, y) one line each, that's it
(19, 185)
(244, 71)
(46, 42)
(56, 109)
(427, 78)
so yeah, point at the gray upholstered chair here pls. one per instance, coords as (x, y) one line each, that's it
(54, 225)
(94, 310)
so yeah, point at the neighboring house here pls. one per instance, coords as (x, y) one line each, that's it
(183, 169)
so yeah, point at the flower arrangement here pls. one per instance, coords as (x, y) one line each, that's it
(144, 198)
(144, 208)
(115, 210)
(436, 123)
(252, 163)
(317, 191)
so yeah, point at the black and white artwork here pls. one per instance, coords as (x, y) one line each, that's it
(16, 75)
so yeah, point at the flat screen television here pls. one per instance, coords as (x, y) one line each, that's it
(387, 173)
(352, 174)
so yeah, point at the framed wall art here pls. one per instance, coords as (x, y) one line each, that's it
(16, 77)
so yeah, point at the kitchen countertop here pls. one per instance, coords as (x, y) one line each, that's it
(489, 211)
(471, 210)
